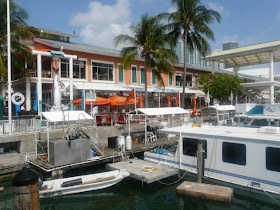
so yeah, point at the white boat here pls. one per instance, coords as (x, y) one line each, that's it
(80, 184)
(240, 157)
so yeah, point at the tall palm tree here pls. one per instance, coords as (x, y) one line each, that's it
(191, 22)
(150, 42)
(19, 31)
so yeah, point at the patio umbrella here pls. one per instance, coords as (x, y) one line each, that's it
(121, 100)
(207, 99)
(140, 102)
(99, 102)
(194, 106)
(168, 101)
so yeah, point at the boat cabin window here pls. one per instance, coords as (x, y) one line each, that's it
(234, 153)
(273, 159)
(190, 147)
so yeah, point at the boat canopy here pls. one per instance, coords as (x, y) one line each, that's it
(162, 111)
(66, 116)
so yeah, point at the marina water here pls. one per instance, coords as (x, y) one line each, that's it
(131, 194)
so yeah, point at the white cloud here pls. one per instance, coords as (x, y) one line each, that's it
(103, 22)
(219, 8)
(171, 10)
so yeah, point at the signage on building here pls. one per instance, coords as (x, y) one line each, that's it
(90, 96)
(17, 98)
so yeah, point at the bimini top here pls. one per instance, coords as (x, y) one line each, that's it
(223, 107)
(66, 116)
(250, 55)
(162, 111)
(264, 134)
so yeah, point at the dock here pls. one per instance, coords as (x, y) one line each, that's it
(206, 191)
(110, 155)
(144, 171)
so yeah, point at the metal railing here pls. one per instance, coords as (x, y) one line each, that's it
(19, 126)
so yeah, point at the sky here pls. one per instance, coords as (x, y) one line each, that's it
(97, 22)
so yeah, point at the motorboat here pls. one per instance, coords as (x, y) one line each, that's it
(241, 157)
(79, 184)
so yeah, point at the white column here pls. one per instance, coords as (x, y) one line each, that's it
(235, 70)
(71, 83)
(27, 95)
(39, 82)
(213, 67)
(271, 77)
(9, 68)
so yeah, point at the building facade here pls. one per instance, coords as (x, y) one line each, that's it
(100, 69)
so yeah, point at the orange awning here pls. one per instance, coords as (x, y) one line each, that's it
(121, 100)
(99, 102)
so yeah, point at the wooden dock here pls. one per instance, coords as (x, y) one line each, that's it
(144, 171)
(206, 191)
(110, 155)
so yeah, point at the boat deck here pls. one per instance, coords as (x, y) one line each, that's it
(143, 170)
(110, 155)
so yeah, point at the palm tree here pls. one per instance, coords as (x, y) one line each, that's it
(19, 31)
(154, 46)
(191, 22)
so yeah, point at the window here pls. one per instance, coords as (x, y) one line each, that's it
(121, 79)
(188, 80)
(196, 80)
(143, 75)
(79, 69)
(273, 159)
(154, 82)
(178, 80)
(102, 71)
(234, 153)
(134, 74)
(190, 147)
(170, 79)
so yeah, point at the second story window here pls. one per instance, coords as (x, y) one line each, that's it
(134, 74)
(121, 79)
(143, 75)
(79, 69)
(178, 80)
(102, 71)
(196, 80)
(170, 79)
(154, 81)
(188, 80)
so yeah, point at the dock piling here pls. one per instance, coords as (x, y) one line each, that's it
(200, 161)
(26, 189)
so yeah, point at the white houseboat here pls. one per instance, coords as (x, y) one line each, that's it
(240, 157)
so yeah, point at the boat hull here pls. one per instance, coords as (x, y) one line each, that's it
(89, 183)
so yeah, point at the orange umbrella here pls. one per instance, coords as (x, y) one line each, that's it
(99, 102)
(168, 101)
(140, 102)
(194, 106)
(121, 100)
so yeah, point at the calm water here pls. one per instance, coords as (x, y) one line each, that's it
(129, 194)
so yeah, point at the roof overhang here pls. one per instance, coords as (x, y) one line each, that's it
(264, 84)
(250, 55)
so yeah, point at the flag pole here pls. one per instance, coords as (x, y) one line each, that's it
(9, 67)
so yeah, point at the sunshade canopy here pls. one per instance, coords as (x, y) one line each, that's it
(66, 116)
(250, 55)
(162, 111)
(99, 102)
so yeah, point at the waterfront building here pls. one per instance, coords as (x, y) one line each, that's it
(99, 69)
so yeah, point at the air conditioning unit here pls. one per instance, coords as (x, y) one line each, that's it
(269, 129)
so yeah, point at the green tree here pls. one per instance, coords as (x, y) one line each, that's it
(19, 31)
(190, 21)
(152, 44)
(220, 86)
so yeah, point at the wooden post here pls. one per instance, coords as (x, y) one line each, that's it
(26, 189)
(200, 161)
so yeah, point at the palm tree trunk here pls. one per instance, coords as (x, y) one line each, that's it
(185, 68)
(146, 84)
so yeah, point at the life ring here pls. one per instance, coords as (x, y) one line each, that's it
(149, 169)
(17, 98)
